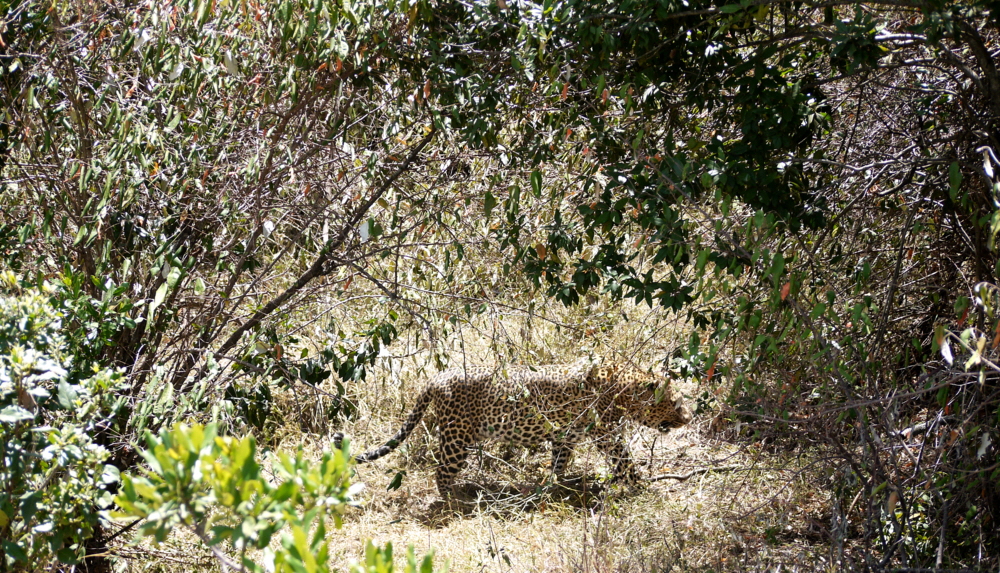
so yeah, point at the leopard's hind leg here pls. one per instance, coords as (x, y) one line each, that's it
(453, 452)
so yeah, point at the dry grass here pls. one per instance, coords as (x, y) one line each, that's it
(756, 519)
(762, 516)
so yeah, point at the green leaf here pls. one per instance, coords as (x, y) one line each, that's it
(161, 293)
(29, 505)
(638, 140)
(817, 311)
(730, 8)
(954, 178)
(80, 235)
(16, 551)
(994, 229)
(111, 474)
(68, 556)
(201, 11)
(15, 414)
(703, 259)
(173, 276)
(536, 183)
(172, 124)
(489, 202)
(199, 286)
(778, 267)
(67, 395)
(397, 481)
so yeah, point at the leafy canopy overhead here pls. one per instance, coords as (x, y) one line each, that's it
(649, 103)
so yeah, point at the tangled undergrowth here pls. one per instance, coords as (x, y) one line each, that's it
(744, 505)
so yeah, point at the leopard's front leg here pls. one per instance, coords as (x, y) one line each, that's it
(562, 449)
(622, 465)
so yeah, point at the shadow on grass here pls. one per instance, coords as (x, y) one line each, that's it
(516, 501)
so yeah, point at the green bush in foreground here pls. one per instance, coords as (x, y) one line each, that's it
(214, 486)
(53, 479)
(55, 485)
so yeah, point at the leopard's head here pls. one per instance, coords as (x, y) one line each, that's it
(663, 408)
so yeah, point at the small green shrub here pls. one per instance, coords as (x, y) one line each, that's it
(214, 486)
(53, 478)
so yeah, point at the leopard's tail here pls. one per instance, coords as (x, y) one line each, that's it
(425, 398)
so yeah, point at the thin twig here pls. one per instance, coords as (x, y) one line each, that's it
(699, 471)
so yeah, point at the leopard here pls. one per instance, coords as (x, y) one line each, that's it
(530, 405)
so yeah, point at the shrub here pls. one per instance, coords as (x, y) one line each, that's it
(214, 487)
(53, 476)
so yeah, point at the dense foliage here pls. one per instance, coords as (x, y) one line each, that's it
(814, 186)
(215, 487)
(53, 476)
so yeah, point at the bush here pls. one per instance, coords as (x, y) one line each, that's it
(54, 482)
(53, 479)
(214, 487)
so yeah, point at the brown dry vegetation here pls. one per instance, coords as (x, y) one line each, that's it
(842, 277)
(732, 521)
(760, 511)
